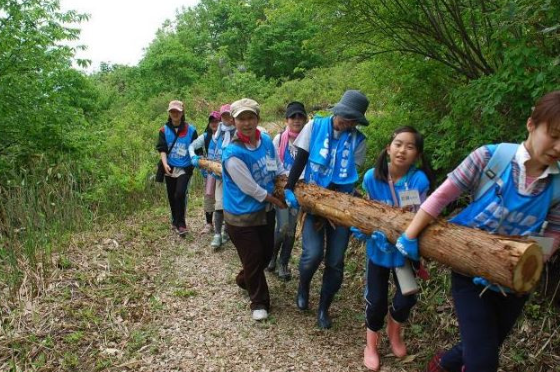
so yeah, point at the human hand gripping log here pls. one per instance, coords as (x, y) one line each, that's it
(515, 263)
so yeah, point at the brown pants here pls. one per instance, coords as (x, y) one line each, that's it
(254, 246)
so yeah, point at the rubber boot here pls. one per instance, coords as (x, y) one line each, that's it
(395, 337)
(302, 299)
(323, 318)
(435, 364)
(371, 356)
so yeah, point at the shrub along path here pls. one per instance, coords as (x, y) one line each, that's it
(134, 297)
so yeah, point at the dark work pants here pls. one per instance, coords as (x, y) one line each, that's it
(377, 293)
(254, 246)
(177, 196)
(484, 323)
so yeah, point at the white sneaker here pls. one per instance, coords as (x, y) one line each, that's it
(208, 228)
(216, 241)
(260, 314)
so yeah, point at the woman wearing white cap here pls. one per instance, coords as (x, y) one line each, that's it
(173, 143)
(250, 166)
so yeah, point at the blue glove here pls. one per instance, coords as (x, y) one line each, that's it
(408, 247)
(194, 161)
(290, 198)
(478, 280)
(382, 243)
(358, 234)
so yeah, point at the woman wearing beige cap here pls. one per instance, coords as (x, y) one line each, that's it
(250, 166)
(173, 143)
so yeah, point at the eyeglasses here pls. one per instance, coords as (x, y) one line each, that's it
(297, 116)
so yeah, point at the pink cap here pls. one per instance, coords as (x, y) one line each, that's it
(215, 114)
(225, 108)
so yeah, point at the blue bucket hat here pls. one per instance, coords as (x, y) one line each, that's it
(353, 106)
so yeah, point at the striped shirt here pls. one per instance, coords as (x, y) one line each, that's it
(466, 178)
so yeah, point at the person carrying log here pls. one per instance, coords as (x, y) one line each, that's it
(330, 149)
(515, 190)
(286, 218)
(395, 181)
(207, 143)
(221, 138)
(249, 168)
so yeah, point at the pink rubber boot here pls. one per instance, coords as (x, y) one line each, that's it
(371, 356)
(394, 334)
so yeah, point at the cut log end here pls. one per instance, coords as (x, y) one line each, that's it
(527, 272)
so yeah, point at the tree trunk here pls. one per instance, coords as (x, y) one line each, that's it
(508, 261)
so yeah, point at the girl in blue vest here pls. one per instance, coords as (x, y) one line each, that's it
(520, 202)
(286, 218)
(397, 183)
(206, 143)
(173, 143)
(330, 149)
(250, 166)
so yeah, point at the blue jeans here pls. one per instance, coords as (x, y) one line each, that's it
(313, 240)
(377, 293)
(285, 233)
(484, 323)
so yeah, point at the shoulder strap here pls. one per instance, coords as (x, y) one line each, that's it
(555, 190)
(493, 171)
(173, 143)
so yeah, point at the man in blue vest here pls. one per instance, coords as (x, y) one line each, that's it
(330, 149)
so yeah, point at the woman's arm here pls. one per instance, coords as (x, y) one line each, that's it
(195, 145)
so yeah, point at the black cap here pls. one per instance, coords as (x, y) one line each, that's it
(295, 108)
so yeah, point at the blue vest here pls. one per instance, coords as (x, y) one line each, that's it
(236, 201)
(218, 149)
(211, 149)
(179, 155)
(504, 211)
(380, 191)
(331, 161)
(288, 158)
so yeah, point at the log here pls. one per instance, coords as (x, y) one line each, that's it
(515, 263)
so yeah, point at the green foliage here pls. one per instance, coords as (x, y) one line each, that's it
(41, 97)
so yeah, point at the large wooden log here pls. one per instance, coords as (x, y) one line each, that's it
(508, 261)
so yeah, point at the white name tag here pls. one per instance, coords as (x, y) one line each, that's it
(546, 243)
(181, 151)
(409, 197)
(271, 165)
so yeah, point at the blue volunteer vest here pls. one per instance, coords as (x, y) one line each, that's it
(236, 201)
(179, 155)
(331, 161)
(380, 191)
(503, 210)
(288, 158)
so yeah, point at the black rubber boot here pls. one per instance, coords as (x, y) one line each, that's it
(302, 299)
(323, 318)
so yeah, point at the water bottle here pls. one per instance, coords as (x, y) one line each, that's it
(406, 279)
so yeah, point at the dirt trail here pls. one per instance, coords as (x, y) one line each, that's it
(132, 296)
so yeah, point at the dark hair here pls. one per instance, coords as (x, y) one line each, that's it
(170, 122)
(209, 133)
(382, 167)
(547, 110)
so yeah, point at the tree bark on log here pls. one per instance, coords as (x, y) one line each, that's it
(512, 262)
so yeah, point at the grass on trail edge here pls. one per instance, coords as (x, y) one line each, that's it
(102, 308)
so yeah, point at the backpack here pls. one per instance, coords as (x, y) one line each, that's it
(504, 154)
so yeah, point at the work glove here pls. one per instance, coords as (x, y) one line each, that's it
(194, 161)
(358, 234)
(291, 200)
(408, 247)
